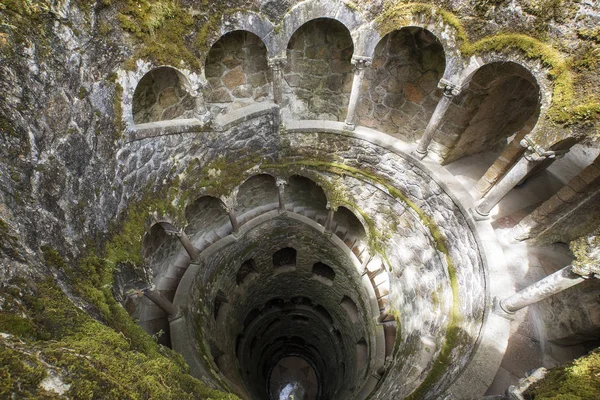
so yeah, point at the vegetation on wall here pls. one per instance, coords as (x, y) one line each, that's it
(577, 380)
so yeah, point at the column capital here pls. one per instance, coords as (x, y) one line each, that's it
(361, 62)
(281, 182)
(277, 63)
(450, 88)
(535, 152)
(228, 203)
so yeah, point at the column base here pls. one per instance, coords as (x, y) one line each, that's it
(478, 216)
(349, 126)
(420, 154)
(499, 310)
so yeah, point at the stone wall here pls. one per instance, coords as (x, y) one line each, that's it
(237, 72)
(318, 76)
(400, 91)
(160, 95)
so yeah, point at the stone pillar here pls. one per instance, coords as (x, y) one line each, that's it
(329, 221)
(550, 285)
(154, 296)
(187, 245)
(200, 111)
(360, 64)
(228, 203)
(234, 222)
(277, 64)
(530, 158)
(450, 90)
(281, 193)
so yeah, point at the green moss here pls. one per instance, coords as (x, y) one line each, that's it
(395, 16)
(82, 93)
(20, 374)
(96, 360)
(53, 258)
(16, 325)
(577, 380)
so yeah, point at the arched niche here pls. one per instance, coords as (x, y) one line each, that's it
(501, 102)
(246, 271)
(162, 95)
(285, 257)
(205, 216)
(159, 247)
(237, 72)
(351, 231)
(401, 84)
(304, 192)
(323, 272)
(318, 76)
(258, 191)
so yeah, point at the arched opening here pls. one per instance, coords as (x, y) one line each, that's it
(351, 231)
(285, 257)
(350, 306)
(159, 247)
(318, 76)
(323, 272)
(303, 194)
(207, 221)
(237, 71)
(257, 195)
(401, 85)
(247, 271)
(161, 95)
(501, 104)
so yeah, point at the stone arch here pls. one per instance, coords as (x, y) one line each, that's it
(285, 257)
(318, 76)
(163, 93)
(237, 72)
(246, 271)
(502, 100)
(305, 192)
(206, 215)
(251, 22)
(323, 271)
(402, 84)
(159, 245)
(258, 192)
(315, 9)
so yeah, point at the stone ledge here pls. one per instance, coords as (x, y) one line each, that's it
(162, 128)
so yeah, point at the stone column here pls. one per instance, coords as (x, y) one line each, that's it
(281, 193)
(187, 245)
(234, 222)
(183, 239)
(277, 64)
(154, 296)
(550, 285)
(360, 64)
(532, 156)
(450, 90)
(329, 221)
(200, 111)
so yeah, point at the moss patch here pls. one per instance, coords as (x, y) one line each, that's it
(96, 360)
(577, 380)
